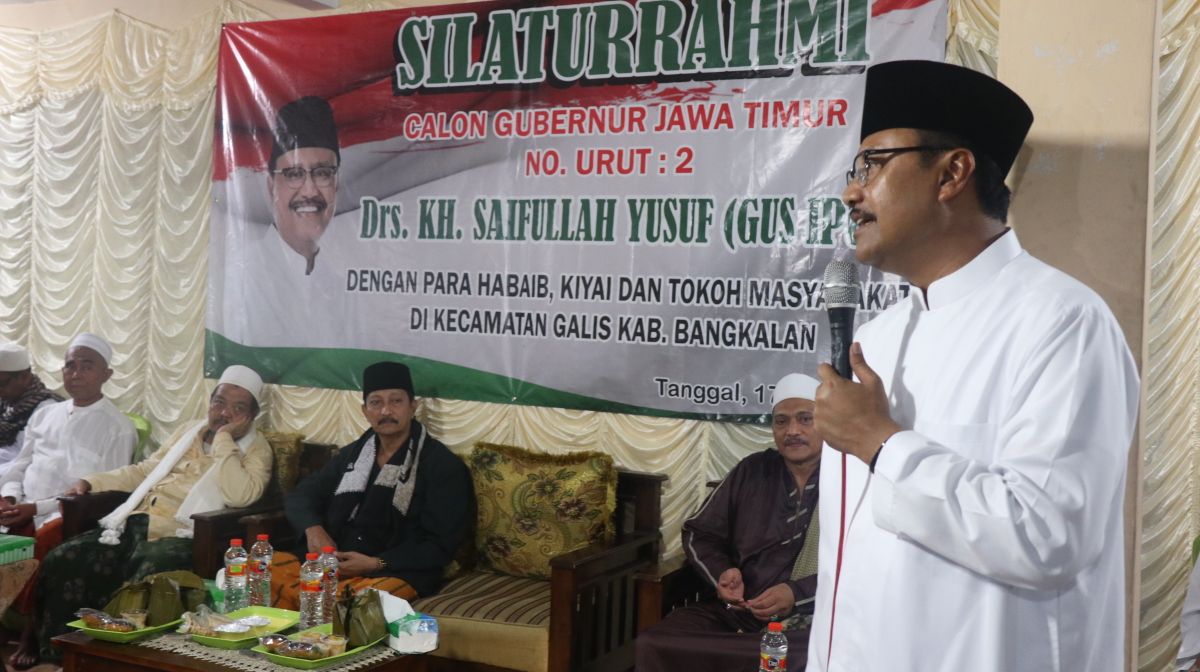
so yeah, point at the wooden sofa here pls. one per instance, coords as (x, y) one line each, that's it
(669, 585)
(213, 529)
(583, 619)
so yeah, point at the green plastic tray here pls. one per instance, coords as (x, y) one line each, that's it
(281, 619)
(302, 664)
(121, 637)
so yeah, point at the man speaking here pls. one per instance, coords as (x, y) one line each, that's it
(986, 433)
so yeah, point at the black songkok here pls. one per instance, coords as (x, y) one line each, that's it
(933, 96)
(305, 122)
(387, 376)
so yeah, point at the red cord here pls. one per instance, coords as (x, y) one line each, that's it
(837, 572)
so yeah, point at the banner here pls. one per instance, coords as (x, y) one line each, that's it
(618, 206)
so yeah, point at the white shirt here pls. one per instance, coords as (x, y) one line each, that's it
(990, 537)
(1189, 623)
(274, 302)
(11, 451)
(64, 443)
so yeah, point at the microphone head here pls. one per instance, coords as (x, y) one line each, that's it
(841, 284)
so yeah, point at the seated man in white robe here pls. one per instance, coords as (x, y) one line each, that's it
(63, 442)
(206, 465)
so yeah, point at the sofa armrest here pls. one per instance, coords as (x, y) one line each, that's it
(212, 531)
(593, 600)
(666, 586)
(81, 513)
(638, 547)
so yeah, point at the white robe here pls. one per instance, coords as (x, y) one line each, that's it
(64, 443)
(9, 453)
(990, 537)
(1189, 623)
(272, 301)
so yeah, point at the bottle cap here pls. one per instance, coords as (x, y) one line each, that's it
(775, 626)
(235, 542)
(327, 549)
(263, 537)
(312, 556)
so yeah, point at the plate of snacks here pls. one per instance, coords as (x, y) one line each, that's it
(309, 649)
(238, 629)
(121, 629)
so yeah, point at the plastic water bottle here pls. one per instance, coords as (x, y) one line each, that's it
(235, 576)
(311, 591)
(772, 653)
(329, 583)
(261, 555)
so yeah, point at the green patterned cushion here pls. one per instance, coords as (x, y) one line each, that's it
(286, 447)
(534, 506)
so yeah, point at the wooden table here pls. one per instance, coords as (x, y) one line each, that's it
(84, 654)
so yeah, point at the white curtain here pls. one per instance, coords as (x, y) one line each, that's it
(1170, 511)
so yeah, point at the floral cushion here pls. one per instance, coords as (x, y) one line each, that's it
(534, 506)
(286, 448)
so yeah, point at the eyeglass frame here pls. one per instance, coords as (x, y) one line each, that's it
(307, 174)
(852, 175)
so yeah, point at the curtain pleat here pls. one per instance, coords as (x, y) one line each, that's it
(1170, 507)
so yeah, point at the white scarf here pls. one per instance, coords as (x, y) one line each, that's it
(401, 477)
(205, 495)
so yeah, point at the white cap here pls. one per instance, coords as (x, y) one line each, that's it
(13, 358)
(245, 378)
(795, 386)
(94, 342)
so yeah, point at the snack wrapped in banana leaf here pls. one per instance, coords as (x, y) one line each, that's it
(165, 603)
(359, 618)
(164, 596)
(130, 597)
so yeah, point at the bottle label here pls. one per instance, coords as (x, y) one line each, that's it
(236, 570)
(260, 567)
(772, 663)
(310, 586)
(331, 575)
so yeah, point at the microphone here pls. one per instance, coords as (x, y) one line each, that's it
(841, 294)
(841, 300)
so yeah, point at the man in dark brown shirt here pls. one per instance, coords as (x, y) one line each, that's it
(751, 541)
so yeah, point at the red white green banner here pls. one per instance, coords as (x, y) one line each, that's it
(622, 206)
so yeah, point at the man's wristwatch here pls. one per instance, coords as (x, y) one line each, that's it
(380, 564)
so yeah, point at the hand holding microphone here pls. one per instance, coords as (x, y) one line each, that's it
(852, 417)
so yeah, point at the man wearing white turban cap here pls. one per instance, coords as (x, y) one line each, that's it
(206, 465)
(63, 442)
(794, 386)
(97, 344)
(754, 540)
(245, 378)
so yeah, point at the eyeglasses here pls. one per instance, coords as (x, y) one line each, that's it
(220, 404)
(293, 176)
(865, 161)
